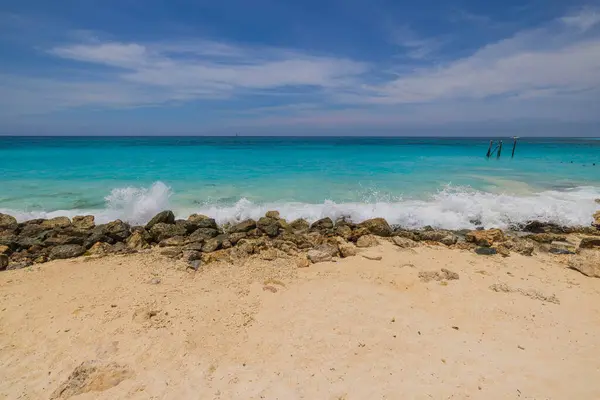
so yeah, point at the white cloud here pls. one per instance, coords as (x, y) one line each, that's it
(546, 61)
(583, 20)
(416, 47)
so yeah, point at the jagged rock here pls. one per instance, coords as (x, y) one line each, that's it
(214, 244)
(202, 221)
(161, 231)
(243, 227)
(178, 241)
(66, 251)
(485, 238)
(343, 231)
(272, 214)
(486, 251)
(299, 225)
(346, 249)
(163, 217)
(99, 249)
(8, 222)
(191, 255)
(236, 237)
(302, 262)
(3, 262)
(7, 238)
(321, 253)
(5, 249)
(596, 218)
(377, 226)
(202, 235)
(63, 239)
(439, 236)
(58, 222)
(367, 241)
(92, 376)
(587, 262)
(84, 222)
(187, 225)
(216, 256)
(442, 275)
(116, 230)
(404, 242)
(412, 235)
(138, 240)
(546, 237)
(322, 225)
(521, 246)
(589, 243)
(171, 252)
(289, 248)
(196, 246)
(502, 250)
(544, 227)
(27, 242)
(269, 226)
(562, 248)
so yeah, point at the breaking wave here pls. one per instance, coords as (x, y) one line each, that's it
(450, 208)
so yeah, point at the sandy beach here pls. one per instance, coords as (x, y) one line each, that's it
(145, 326)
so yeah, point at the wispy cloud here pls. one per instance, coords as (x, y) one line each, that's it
(415, 46)
(584, 19)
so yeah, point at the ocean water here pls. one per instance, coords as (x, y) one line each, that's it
(442, 182)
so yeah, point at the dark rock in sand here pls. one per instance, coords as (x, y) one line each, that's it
(242, 227)
(187, 225)
(589, 243)
(556, 250)
(486, 251)
(191, 255)
(270, 226)
(161, 231)
(164, 217)
(66, 251)
(8, 222)
(377, 226)
(195, 246)
(3, 262)
(322, 225)
(84, 222)
(444, 237)
(117, 230)
(202, 235)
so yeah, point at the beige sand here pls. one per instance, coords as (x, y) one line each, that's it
(352, 329)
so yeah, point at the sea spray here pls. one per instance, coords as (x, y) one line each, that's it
(450, 208)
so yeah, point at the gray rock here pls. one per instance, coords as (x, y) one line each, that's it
(161, 231)
(202, 234)
(272, 214)
(214, 244)
(164, 217)
(324, 224)
(58, 222)
(63, 239)
(195, 246)
(66, 251)
(117, 230)
(236, 237)
(8, 222)
(178, 241)
(242, 227)
(404, 242)
(187, 225)
(590, 243)
(84, 222)
(367, 241)
(377, 226)
(269, 226)
(191, 255)
(202, 221)
(299, 225)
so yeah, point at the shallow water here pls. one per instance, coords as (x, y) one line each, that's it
(412, 181)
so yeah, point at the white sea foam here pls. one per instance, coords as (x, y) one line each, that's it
(451, 208)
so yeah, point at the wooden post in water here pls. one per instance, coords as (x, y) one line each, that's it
(490, 149)
(514, 146)
(499, 149)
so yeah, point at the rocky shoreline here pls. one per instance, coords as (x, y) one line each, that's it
(199, 239)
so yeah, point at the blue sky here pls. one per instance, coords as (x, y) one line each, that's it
(312, 67)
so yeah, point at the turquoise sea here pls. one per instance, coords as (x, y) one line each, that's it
(443, 182)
